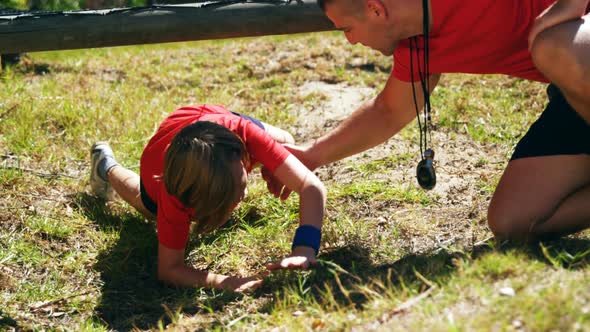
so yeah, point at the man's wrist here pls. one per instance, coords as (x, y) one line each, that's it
(313, 157)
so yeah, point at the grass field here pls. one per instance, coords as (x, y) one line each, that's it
(393, 256)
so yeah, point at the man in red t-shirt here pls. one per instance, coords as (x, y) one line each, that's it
(545, 188)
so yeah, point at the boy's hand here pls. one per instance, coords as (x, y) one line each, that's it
(301, 258)
(241, 285)
(561, 11)
(276, 187)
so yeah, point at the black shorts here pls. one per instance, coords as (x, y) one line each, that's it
(560, 130)
(253, 120)
(147, 201)
(150, 204)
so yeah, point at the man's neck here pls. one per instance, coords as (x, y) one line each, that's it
(411, 15)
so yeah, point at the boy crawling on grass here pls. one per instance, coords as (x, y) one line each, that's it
(194, 170)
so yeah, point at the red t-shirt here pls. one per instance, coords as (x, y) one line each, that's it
(173, 217)
(477, 36)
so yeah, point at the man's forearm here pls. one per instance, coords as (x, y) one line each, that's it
(561, 11)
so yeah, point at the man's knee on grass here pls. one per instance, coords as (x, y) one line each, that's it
(508, 223)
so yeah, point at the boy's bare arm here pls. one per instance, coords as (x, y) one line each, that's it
(172, 270)
(312, 199)
(312, 193)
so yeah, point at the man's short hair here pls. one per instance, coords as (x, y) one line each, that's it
(352, 6)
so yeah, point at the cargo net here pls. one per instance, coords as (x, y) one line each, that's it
(14, 14)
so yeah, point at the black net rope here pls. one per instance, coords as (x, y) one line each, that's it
(12, 14)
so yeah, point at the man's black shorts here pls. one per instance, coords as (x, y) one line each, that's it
(560, 130)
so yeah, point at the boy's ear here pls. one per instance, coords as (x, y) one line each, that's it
(376, 10)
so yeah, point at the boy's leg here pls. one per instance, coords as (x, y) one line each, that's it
(562, 54)
(126, 183)
(107, 175)
(277, 134)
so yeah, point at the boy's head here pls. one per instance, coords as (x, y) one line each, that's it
(204, 169)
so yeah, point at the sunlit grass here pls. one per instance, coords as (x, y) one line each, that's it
(69, 261)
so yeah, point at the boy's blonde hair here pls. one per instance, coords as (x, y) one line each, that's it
(198, 171)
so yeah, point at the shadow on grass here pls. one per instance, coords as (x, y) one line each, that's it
(369, 67)
(131, 294)
(572, 253)
(351, 265)
(340, 271)
(6, 322)
(27, 66)
(250, 218)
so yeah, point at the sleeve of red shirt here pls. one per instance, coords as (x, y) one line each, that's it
(261, 146)
(173, 222)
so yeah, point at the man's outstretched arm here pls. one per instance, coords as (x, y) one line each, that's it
(370, 125)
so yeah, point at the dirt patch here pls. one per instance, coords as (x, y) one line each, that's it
(461, 163)
(6, 281)
(340, 100)
(464, 170)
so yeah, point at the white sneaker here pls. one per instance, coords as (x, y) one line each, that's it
(100, 187)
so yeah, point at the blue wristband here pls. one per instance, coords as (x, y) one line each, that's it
(307, 236)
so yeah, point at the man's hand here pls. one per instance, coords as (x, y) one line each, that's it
(241, 285)
(301, 258)
(302, 154)
(561, 11)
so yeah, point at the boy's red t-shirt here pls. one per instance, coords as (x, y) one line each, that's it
(174, 218)
(476, 36)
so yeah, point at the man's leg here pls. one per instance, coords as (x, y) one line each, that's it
(562, 54)
(545, 190)
(542, 197)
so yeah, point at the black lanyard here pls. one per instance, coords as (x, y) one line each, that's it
(425, 170)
